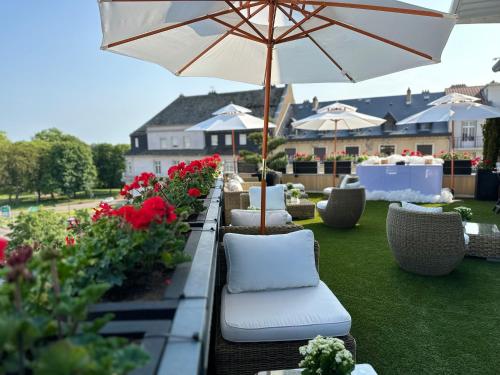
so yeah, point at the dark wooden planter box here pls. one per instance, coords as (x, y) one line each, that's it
(487, 184)
(305, 167)
(244, 167)
(272, 178)
(461, 167)
(343, 167)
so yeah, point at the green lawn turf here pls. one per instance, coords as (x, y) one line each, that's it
(409, 324)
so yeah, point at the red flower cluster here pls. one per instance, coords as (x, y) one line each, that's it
(196, 166)
(153, 209)
(70, 241)
(3, 246)
(408, 152)
(143, 180)
(194, 192)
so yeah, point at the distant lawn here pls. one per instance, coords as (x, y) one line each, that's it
(29, 200)
(409, 324)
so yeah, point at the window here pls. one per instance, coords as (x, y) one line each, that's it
(163, 143)
(290, 152)
(425, 126)
(187, 141)
(387, 149)
(175, 162)
(352, 150)
(136, 142)
(243, 139)
(175, 141)
(129, 167)
(228, 139)
(320, 152)
(157, 167)
(214, 140)
(469, 130)
(425, 149)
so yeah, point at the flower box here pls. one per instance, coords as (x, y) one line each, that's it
(487, 185)
(305, 167)
(461, 167)
(343, 167)
(244, 167)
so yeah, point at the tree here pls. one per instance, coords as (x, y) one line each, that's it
(54, 135)
(4, 145)
(109, 161)
(72, 167)
(19, 168)
(491, 137)
(275, 160)
(43, 181)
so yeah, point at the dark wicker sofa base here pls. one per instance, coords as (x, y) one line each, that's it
(248, 358)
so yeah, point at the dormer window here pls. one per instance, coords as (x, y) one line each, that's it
(214, 140)
(136, 142)
(228, 139)
(175, 141)
(425, 127)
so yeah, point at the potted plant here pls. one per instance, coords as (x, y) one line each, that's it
(487, 181)
(465, 213)
(305, 164)
(326, 356)
(462, 162)
(344, 163)
(295, 196)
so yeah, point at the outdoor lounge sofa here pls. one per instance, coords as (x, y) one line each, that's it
(247, 351)
(344, 207)
(425, 243)
(232, 199)
(275, 199)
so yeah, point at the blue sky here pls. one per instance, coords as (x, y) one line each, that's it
(53, 74)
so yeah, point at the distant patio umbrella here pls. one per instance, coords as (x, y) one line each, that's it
(453, 107)
(335, 117)
(231, 117)
(276, 41)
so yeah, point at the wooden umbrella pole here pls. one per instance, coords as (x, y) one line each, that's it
(234, 151)
(452, 184)
(267, 101)
(335, 153)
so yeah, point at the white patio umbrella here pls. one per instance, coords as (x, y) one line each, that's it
(231, 117)
(453, 107)
(276, 41)
(335, 117)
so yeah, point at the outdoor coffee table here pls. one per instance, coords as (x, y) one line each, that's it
(484, 240)
(303, 210)
(361, 369)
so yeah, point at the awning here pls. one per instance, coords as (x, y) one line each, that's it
(476, 11)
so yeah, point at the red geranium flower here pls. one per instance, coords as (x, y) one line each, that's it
(70, 241)
(194, 192)
(3, 246)
(103, 210)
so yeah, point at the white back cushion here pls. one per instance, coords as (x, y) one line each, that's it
(417, 208)
(275, 197)
(271, 262)
(234, 185)
(252, 217)
(238, 178)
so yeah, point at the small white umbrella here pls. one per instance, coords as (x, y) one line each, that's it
(231, 117)
(335, 117)
(453, 107)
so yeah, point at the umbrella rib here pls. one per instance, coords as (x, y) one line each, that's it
(217, 41)
(303, 34)
(246, 20)
(373, 36)
(175, 26)
(300, 23)
(238, 32)
(318, 45)
(378, 8)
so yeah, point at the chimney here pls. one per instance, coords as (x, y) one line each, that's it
(315, 104)
(426, 94)
(408, 96)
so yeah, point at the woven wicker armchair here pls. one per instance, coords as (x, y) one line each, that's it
(425, 243)
(343, 208)
(232, 199)
(248, 358)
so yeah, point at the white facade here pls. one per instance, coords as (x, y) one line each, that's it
(492, 94)
(174, 138)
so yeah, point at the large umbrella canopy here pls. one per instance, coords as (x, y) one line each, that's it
(313, 41)
(453, 107)
(231, 117)
(335, 117)
(276, 41)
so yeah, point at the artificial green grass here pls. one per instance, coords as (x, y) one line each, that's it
(410, 324)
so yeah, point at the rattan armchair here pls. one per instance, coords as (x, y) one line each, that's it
(425, 243)
(343, 208)
(248, 358)
(232, 199)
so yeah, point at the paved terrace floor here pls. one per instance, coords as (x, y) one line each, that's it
(409, 324)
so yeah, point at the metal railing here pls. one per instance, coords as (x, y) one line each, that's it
(469, 142)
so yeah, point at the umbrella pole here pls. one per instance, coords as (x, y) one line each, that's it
(335, 154)
(452, 183)
(267, 100)
(234, 152)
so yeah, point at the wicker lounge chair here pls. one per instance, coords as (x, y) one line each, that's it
(248, 358)
(232, 199)
(425, 243)
(343, 208)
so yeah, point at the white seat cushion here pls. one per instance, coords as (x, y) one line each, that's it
(289, 218)
(327, 191)
(322, 205)
(283, 315)
(417, 208)
(275, 197)
(466, 239)
(252, 217)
